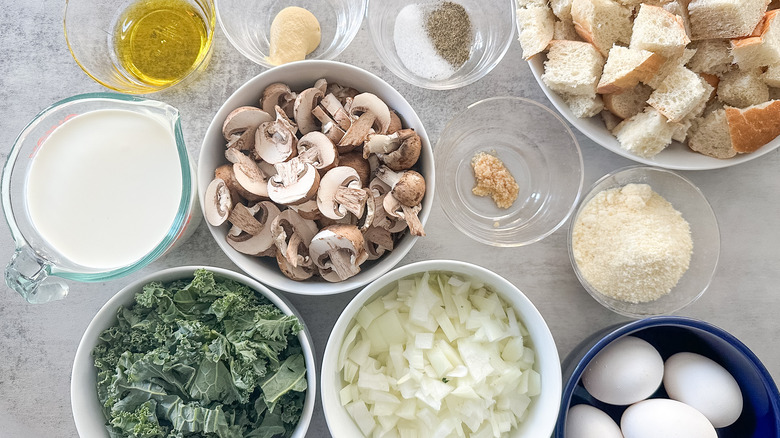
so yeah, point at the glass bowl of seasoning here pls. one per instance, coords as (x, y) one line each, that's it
(272, 33)
(441, 45)
(644, 242)
(140, 47)
(509, 171)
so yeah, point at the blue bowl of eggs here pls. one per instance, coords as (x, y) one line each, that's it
(666, 376)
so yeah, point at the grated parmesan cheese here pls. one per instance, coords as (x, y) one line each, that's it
(494, 179)
(631, 244)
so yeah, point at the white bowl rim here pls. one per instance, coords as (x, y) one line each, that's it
(602, 137)
(276, 279)
(82, 372)
(548, 401)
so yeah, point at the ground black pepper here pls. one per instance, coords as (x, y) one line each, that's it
(449, 28)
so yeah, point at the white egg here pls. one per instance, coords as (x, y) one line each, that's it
(700, 382)
(585, 421)
(626, 371)
(664, 418)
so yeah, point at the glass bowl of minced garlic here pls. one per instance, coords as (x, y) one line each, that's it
(644, 242)
(509, 171)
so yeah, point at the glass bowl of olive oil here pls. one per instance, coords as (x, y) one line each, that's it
(140, 46)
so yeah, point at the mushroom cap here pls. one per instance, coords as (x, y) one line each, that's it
(356, 161)
(217, 202)
(326, 194)
(247, 174)
(276, 94)
(242, 119)
(407, 153)
(317, 149)
(262, 242)
(304, 104)
(274, 142)
(297, 273)
(410, 188)
(368, 102)
(295, 182)
(338, 251)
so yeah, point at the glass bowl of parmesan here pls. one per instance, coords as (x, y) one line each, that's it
(644, 242)
(509, 171)
(441, 45)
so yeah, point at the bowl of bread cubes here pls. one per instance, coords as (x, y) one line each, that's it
(677, 84)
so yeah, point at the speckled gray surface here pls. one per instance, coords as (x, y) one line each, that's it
(37, 343)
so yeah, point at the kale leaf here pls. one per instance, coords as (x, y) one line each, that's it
(202, 358)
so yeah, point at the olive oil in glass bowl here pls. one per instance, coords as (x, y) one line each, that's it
(152, 44)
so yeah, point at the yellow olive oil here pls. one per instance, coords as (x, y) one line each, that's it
(160, 41)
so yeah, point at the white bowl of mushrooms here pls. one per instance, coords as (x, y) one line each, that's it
(316, 177)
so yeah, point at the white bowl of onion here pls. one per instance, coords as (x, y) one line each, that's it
(441, 348)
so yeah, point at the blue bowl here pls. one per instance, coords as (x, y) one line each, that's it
(672, 334)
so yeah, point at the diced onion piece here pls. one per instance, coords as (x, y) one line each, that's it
(359, 412)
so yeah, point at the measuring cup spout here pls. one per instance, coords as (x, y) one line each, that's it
(28, 274)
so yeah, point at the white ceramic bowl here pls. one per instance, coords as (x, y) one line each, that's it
(300, 75)
(543, 411)
(676, 156)
(87, 411)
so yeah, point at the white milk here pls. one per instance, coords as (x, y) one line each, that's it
(104, 188)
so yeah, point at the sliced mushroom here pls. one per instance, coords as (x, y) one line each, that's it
(322, 85)
(317, 149)
(357, 133)
(394, 207)
(286, 120)
(242, 119)
(261, 243)
(341, 92)
(340, 193)
(336, 111)
(399, 151)
(308, 210)
(356, 161)
(277, 94)
(297, 273)
(217, 202)
(237, 193)
(338, 251)
(306, 101)
(329, 126)
(292, 235)
(395, 123)
(370, 103)
(407, 186)
(247, 174)
(274, 142)
(295, 182)
(377, 241)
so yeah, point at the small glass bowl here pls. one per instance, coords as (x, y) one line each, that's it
(247, 25)
(493, 27)
(537, 148)
(688, 200)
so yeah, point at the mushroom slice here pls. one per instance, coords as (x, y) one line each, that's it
(338, 251)
(308, 210)
(217, 202)
(333, 107)
(395, 208)
(357, 133)
(317, 149)
(306, 101)
(286, 120)
(370, 103)
(399, 151)
(341, 192)
(356, 161)
(407, 186)
(295, 182)
(395, 123)
(297, 273)
(377, 240)
(291, 233)
(237, 193)
(341, 92)
(242, 119)
(322, 85)
(277, 94)
(274, 142)
(261, 243)
(247, 174)
(329, 126)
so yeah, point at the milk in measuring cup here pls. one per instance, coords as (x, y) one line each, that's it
(104, 187)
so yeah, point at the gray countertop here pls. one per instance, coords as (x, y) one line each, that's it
(38, 342)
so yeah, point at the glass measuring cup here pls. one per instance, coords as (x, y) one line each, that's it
(37, 268)
(140, 46)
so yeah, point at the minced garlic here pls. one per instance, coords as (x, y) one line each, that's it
(494, 179)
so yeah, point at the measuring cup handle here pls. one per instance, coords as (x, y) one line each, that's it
(28, 274)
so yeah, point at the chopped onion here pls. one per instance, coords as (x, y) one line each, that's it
(438, 356)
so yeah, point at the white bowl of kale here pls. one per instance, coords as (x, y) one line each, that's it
(194, 352)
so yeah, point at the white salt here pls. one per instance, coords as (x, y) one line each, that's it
(415, 48)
